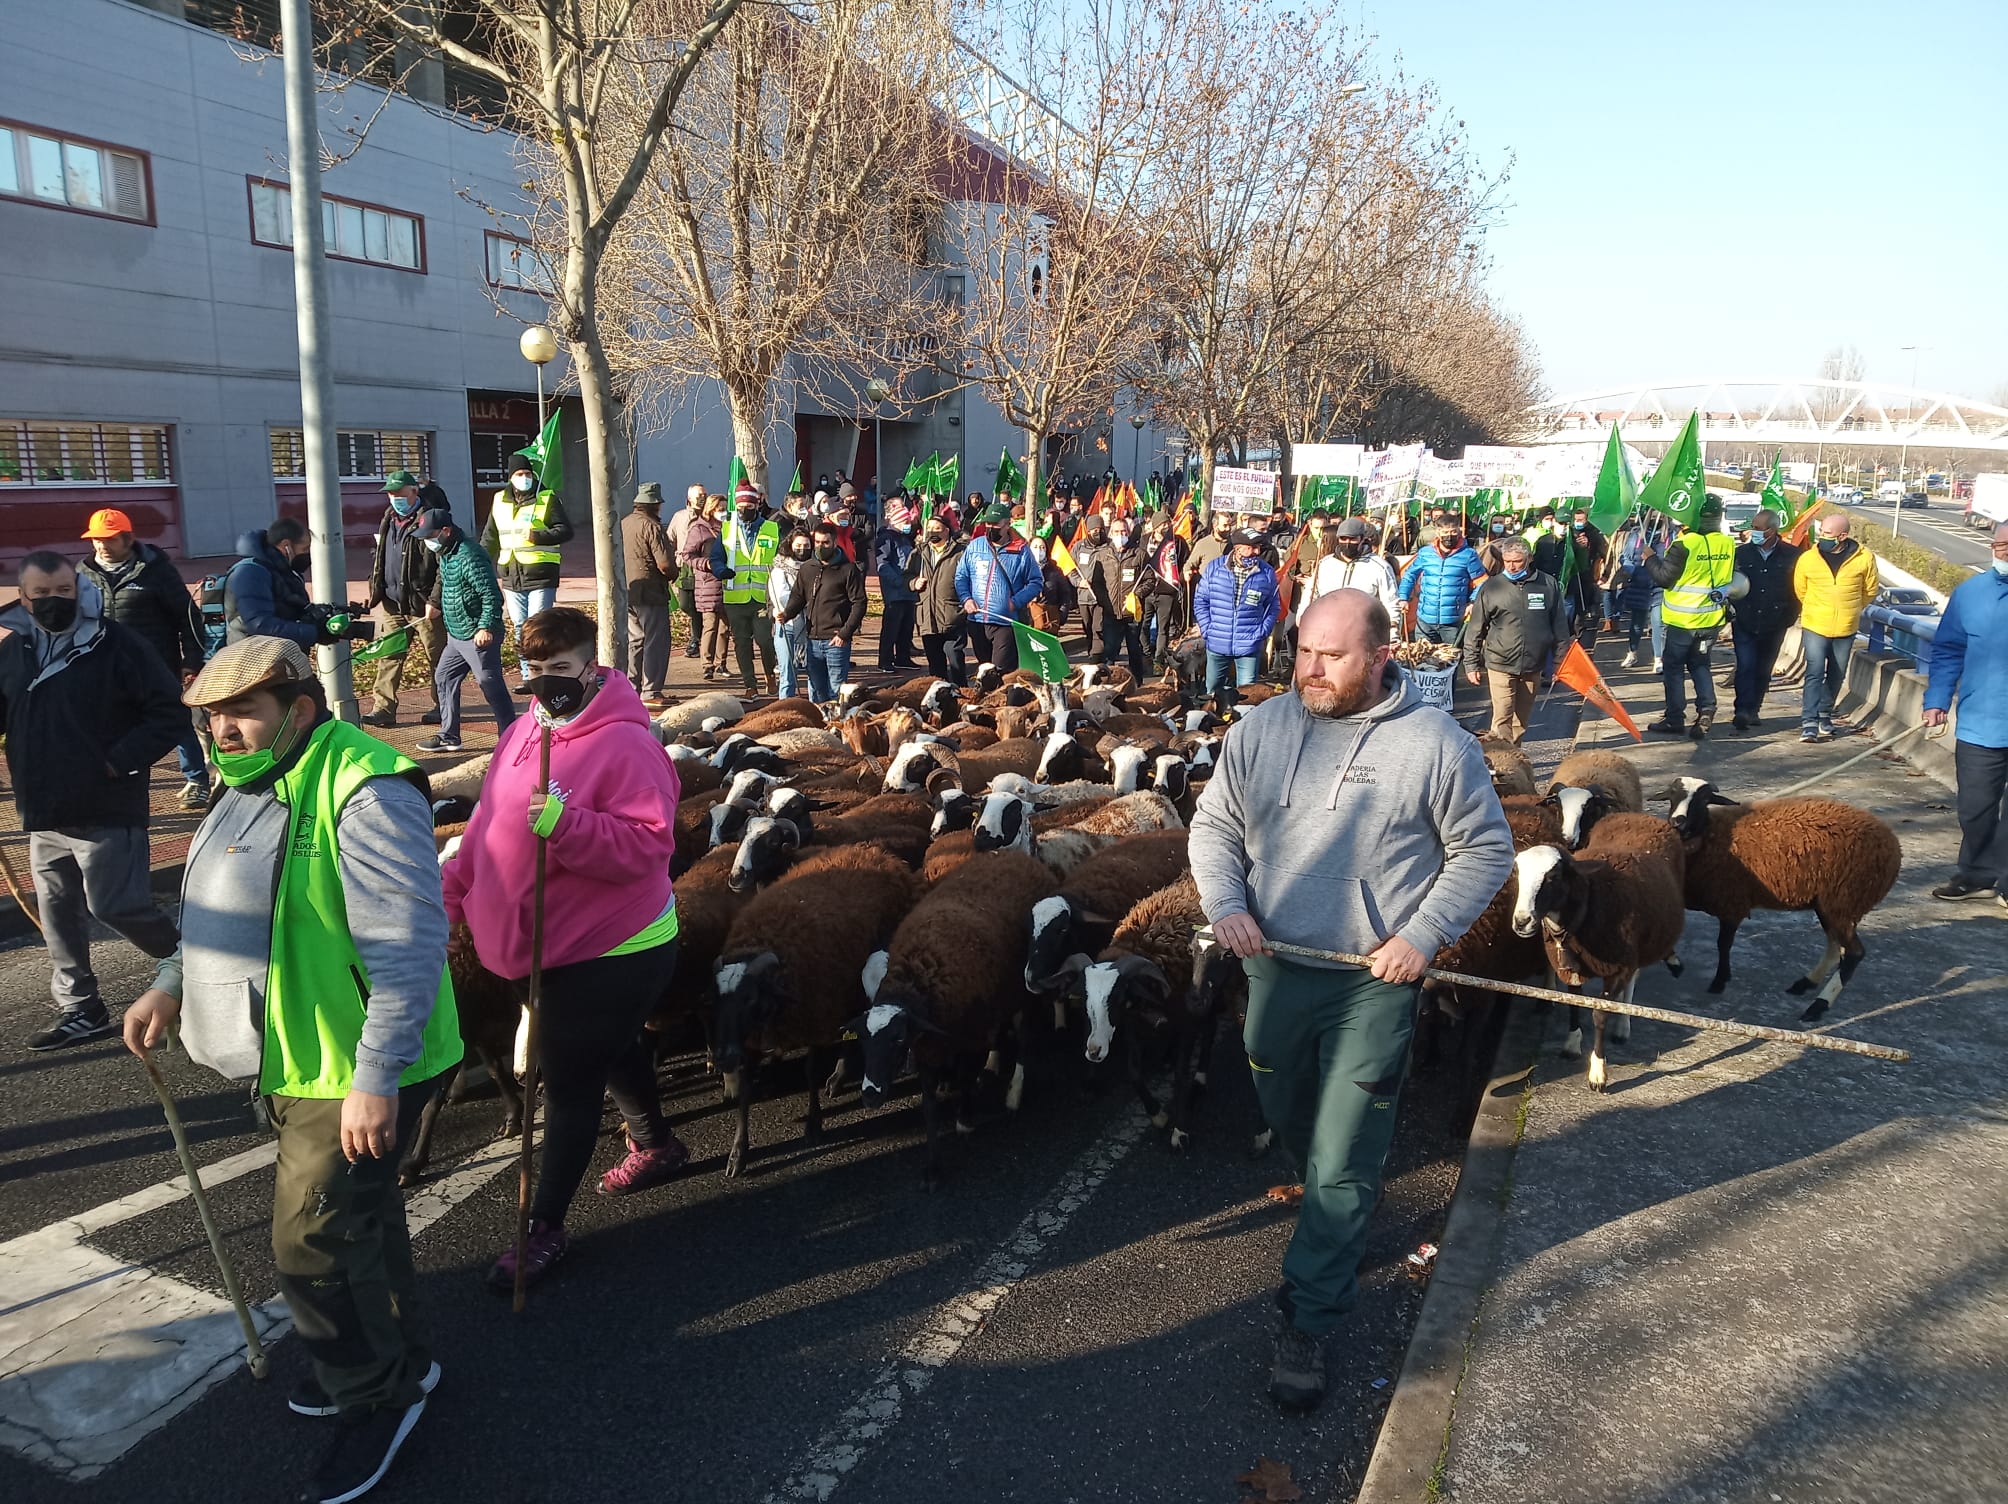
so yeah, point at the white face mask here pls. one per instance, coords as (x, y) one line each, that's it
(2001, 568)
(437, 545)
(524, 483)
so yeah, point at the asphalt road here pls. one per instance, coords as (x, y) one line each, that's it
(1940, 527)
(705, 1341)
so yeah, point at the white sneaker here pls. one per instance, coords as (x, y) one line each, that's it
(1656, 668)
(1630, 661)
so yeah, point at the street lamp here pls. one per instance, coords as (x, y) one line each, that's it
(1136, 439)
(878, 389)
(1903, 445)
(540, 347)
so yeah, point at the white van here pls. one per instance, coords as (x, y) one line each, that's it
(1890, 491)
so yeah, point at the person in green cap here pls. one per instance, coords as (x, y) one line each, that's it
(402, 573)
(995, 581)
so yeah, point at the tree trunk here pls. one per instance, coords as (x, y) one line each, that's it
(1206, 485)
(603, 441)
(748, 409)
(1035, 467)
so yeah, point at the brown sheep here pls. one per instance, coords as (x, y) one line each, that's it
(1511, 772)
(782, 715)
(954, 976)
(1817, 854)
(1081, 918)
(1607, 917)
(1598, 767)
(790, 973)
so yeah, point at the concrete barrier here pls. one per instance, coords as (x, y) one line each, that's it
(1886, 691)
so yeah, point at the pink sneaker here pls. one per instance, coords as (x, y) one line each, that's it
(543, 1248)
(643, 1168)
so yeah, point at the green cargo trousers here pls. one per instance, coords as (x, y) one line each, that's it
(1328, 1048)
(343, 1254)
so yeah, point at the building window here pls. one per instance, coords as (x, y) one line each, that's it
(360, 453)
(514, 265)
(350, 231)
(73, 173)
(51, 452)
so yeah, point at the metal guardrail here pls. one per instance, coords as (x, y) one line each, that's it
(1891, 629)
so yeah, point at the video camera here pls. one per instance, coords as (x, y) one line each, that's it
(342, 623)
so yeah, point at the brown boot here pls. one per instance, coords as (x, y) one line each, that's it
(773, 684)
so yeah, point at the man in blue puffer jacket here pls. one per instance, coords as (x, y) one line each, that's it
(1236, 607)
(997, 579)
(1448, 569)
(1970, 655)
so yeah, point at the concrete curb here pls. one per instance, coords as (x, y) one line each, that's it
(1415, 1433)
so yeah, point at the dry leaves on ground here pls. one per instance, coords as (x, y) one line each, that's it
(1271, 1482)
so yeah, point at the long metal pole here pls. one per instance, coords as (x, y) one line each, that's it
(330, 582)
(540, 402)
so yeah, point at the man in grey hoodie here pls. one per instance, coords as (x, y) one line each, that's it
(1348, 816)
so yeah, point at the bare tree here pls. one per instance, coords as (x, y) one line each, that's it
(1840, 363)
(1311, 203)
(1064, 239)
(785, 223)
(558, 63)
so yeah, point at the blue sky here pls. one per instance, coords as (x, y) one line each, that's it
(1730, 189)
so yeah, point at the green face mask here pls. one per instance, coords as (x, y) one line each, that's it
(238, 768)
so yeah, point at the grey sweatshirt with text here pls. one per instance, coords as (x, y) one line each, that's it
(1337, 833)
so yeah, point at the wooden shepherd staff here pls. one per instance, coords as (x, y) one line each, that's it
(524, 1169)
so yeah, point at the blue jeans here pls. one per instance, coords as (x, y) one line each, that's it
(521, 605)
(1826, 674)
(457, 660)
(1247, 668)
(188, 756)
(1756, 656)
(828, 668)
(788, 654)
(1440, 632)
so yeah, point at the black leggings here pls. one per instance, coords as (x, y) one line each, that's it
(589, 1041)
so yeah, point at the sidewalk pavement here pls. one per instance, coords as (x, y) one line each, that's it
(1750, 1271)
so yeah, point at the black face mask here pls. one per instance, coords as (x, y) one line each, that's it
(1351, 549)
(560, 694)
(54, 613)
(998, 534)
(829, 553)
(302, 563)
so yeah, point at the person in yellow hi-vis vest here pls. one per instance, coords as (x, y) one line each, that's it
(1695, 575)
(751, 542)
(313, 964)
(526, 528)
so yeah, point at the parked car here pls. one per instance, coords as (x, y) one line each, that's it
(1916, 499)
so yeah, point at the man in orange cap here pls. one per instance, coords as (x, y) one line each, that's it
(143, 591)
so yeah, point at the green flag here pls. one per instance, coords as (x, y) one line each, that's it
(549, 453)
(1774, 494)
(915, 480)
(1010, 479)
(734, 477)
(1679, 484)
(948, 475)
(1042, 651)
(795, 485)
(1617, 488)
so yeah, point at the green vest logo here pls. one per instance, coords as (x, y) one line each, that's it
(306, 842)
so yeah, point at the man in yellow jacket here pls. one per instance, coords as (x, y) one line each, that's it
(1833, 583)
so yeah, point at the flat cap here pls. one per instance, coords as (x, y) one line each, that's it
(254, 663)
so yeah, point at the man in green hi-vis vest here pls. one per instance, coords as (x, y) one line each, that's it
(313, 963)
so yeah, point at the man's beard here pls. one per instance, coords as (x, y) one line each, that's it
(1328, 700)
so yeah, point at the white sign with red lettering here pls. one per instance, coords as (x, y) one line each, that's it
(1232, 488)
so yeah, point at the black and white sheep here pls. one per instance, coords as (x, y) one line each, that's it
(1077, 922)
(1818, 854)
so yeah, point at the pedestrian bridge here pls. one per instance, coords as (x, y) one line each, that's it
(1811, 411)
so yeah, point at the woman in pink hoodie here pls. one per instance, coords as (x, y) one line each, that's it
(608, 821)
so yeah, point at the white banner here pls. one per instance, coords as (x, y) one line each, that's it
(1391, 474)
(1327, 459)
(1243, 490)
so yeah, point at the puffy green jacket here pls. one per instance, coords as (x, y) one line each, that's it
(467, 594)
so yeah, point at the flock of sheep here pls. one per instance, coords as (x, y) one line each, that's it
(933, 875)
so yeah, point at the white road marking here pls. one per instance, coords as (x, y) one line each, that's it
(97, 1353)
(878, 1408)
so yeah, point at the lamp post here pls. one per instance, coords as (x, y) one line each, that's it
(1903, 445)
(878, 389)
(540, 347)
(1136, 441)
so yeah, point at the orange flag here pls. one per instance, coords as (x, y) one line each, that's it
(1183, 523)
(1804, 526)
(1286, 577)
(1095, 505)
(1581, 675)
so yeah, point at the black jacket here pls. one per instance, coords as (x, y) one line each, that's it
(1772, 604)
(148, 597)
(264, 597)
(415, 566)
(1112, 573)
(80, 741)
(833, 596)
(1514, 624)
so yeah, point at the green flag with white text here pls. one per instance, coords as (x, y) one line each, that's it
(1042, 651)
(1774, 494)
(948, 475)
(1679, 484)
